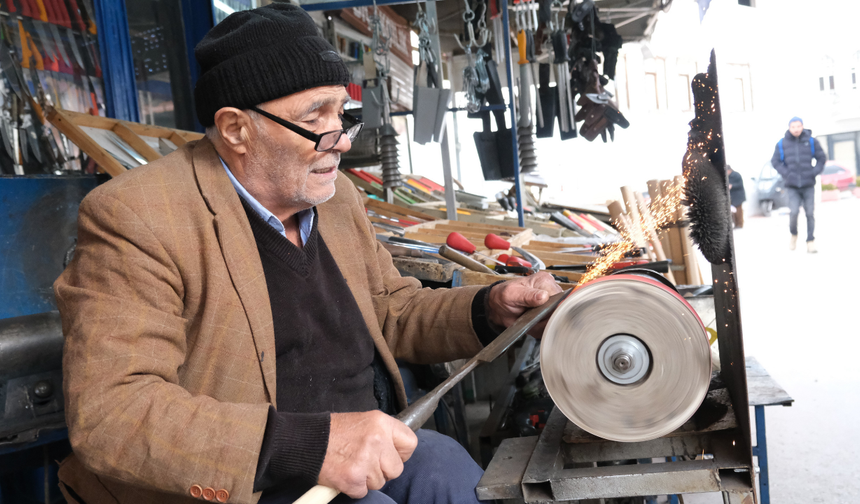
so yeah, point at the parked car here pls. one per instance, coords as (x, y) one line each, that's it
(838, 176)
(770, 189)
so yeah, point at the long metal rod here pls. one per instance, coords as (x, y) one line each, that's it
(510, 73)
(760, 451)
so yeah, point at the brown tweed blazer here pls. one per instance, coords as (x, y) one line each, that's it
(169, 363)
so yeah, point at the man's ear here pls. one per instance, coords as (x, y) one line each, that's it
(235, 128)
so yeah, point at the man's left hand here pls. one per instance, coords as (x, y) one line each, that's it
(507, 301)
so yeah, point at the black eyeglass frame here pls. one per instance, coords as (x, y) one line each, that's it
(310, 135)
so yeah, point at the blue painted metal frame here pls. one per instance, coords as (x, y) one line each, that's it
(115, 47)
(196, 27)
(760, 451)
(509, 64)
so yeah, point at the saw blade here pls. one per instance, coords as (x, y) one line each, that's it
(626, 358)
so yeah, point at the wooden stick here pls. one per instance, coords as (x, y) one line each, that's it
(655, 241)
(636, 219)
(690, 262)
(136, 143)
(60, 119)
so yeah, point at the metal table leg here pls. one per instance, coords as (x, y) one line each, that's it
(760, 451)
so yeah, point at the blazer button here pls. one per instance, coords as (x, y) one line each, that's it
(208, 493)
(196, 491)
(222, 495)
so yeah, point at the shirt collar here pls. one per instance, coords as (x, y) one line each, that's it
(306, 217)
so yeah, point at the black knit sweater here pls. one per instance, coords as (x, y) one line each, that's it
(326, 361)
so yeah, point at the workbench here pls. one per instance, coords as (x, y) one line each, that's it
(517, 460)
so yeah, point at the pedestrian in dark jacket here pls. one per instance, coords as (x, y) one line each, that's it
(738, 195)
(792, 158)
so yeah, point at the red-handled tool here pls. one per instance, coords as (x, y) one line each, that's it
(509, 260)
(459, 242)
(496, 242)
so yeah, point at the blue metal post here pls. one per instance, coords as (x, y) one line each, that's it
(760, 451)
(503, 4)
(117, 61)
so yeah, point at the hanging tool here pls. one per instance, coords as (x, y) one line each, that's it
(531, 55)
(472, 83)
(387, 135)
(525, 126)
(561, 61)
(420, 411)
(626, 358)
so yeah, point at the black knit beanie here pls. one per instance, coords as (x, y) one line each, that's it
(259, 55)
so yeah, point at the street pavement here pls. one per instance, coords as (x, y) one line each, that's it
(801, 320)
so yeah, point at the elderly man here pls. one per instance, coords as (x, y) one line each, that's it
(231, 322)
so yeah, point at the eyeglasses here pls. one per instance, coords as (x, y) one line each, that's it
(324, 142)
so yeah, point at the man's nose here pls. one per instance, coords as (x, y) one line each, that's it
(343, 144)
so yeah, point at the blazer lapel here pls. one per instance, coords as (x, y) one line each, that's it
(240, 254)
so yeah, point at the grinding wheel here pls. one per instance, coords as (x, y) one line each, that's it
(626, 358)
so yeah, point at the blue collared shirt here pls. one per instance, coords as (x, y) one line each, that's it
(306, 217)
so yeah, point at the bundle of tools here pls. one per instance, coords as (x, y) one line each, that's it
(39, 72)
(589, 36)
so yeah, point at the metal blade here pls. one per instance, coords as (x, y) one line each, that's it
(47, 44)
(74, 43)
(22, 137)
(7, 142)
(418, 412)
(60, 45)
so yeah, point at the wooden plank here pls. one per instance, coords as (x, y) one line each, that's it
(763, 389)
(363, 184)
(387, 207)
(177, 139)
(135, 142)
(107, 123)
(60, 119)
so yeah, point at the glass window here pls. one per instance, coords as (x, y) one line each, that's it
(223, 8)
(163, 79)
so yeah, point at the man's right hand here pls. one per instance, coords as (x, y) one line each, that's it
(365, 450)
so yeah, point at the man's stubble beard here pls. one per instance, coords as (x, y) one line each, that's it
(277, 163)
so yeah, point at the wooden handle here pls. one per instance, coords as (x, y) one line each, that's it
(318, 495)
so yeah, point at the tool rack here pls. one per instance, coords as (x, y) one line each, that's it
(508, 63)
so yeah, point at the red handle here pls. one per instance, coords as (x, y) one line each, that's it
(25, 8)
(516, 261)
(63, 14)
(513, 261)
(76, 10)
(496, 242)
(459, 242)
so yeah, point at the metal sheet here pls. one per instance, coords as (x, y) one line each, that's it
(637, 480)
(504, 475)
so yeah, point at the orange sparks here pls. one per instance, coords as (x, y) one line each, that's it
(663, 212)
